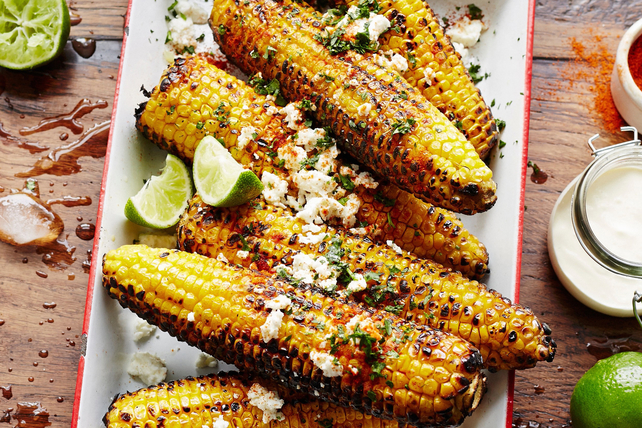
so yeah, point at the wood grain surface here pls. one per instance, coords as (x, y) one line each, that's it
(563, 117)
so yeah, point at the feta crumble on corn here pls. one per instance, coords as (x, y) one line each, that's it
(267, 401)
(394, 246)
(247, 135)
(270, 330)
(327, 363)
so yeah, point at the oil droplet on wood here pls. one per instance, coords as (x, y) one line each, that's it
(35, 363)
(6, 392)
(26, 220)
(84, 47)
(49, 305)
(68, 120)
(74, 19)
(43, 354)
(41, 274)
(10, 140)
(63, 136)
(51, 381)
(60, 399)
(539, 177)
(85, 231)
(30, 379)
(604, 348)
(63, 160)
(79, 218)
(25, 260)
(539, 390)
(50, 320)
(1, 322)
(71, 276)
(31, 415)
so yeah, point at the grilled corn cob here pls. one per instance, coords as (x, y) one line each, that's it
(402, 137)
(369, 360)
(508, 336)
(205, 399)
(435, 68)
(179, 114)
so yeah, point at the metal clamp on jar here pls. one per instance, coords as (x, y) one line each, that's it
(595, 230)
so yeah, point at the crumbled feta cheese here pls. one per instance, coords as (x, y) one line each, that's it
(465, 54)
(399, 63)
(392, 61)
(143, 330)
(346, 170)
(327, 160)
(308, 137)
(292, 155)
(190, 317)
(318, 209)
(394, 246)
(154, 240)
(279, 302)
(292, 116)
(359, 283)
(365, 179)
(353, 82)
(379, 24)
(270, 330)
(329, 284)
(221, 258)
(147, 367)
(429, 74)
(220, 423)
(359, 231)
(466, 31)
(275, 189)
(364, 109)
(192, 10)
(365, 323)
(306, 269)
(267, 401)
(327, 363)
(182, 33)
(272, 111)
(311, 228)
(350, 16)
(242, 254)
(205, 361)
(311, 238)
(247, 135)
(314, 183)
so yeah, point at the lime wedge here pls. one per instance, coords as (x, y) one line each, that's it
(162, 200)
(32, 32)
(219, 179)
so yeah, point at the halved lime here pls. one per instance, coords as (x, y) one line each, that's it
(32, 32)
(219, 179)
(163, 198)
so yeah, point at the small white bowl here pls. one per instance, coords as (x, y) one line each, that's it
(627, 96)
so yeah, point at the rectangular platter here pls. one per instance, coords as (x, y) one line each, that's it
(504, 52)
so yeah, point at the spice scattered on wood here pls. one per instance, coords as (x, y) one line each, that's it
(593, 63)
(635, 61)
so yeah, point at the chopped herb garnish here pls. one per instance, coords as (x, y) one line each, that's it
(372, 396)
(390, 384)
(168, 37)
(171, 110)
(492, 103)
(475, 12)
(269, 53)
(199, 125)
(385, 201)
(325, 423)
(246, 246)
(371, 276)
(500, 124)
(533, 165)
(172, 6)
(394, 309)
(264, 87)
(200, 38)
(189, 49)
(221, 29)
(390, 221)
(403, 126)
(345, 181)
(327, 77)
(475, 75)
(412, 60)
(502, 144)
(343, 201)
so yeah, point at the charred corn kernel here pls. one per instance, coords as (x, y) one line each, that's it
(407, 214)
(231, 312)
(205, 399)
(278, 40)
(417, 290)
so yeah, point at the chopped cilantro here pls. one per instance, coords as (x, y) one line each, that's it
(343, 201)
(390, 384)
(412, 60)
(199, 125)
(200, 38)
(492, 103)
(246, 246)
(263, 87)
(502, 144)
(221, 29)
(403, 126)
(189, 49)
(533, 165)
(168, 37)
(459, 125)
(327, 77)
(500, 124)
(475, 75)
(372, 396)
(394, 309)
(345, 181)
(371, 276)
(172, 6)
(325, 423)
(385, 201)
(269, 53)
(475, 12)
(390, 221)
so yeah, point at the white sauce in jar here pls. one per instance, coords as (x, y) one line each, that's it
(614, 209)
(590, 283)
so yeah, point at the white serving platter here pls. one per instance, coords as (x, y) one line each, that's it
(505, 52)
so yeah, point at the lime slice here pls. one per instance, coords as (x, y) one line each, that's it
(162, 200)
(32, 32)
(219, 179)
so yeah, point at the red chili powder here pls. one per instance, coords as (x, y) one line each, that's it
(593, 63)
(635, 61)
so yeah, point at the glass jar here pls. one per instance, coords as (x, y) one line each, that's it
(594, 266)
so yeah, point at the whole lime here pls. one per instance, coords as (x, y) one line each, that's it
(609, 395)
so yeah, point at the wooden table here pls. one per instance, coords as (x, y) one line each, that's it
(561, 121)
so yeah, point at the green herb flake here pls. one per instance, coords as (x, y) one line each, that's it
(390, 221)
(372, 396)
(500, 124)
(475, 12)
(402, 127)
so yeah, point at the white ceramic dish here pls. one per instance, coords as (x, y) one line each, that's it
(626, 94)
(505, 51)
